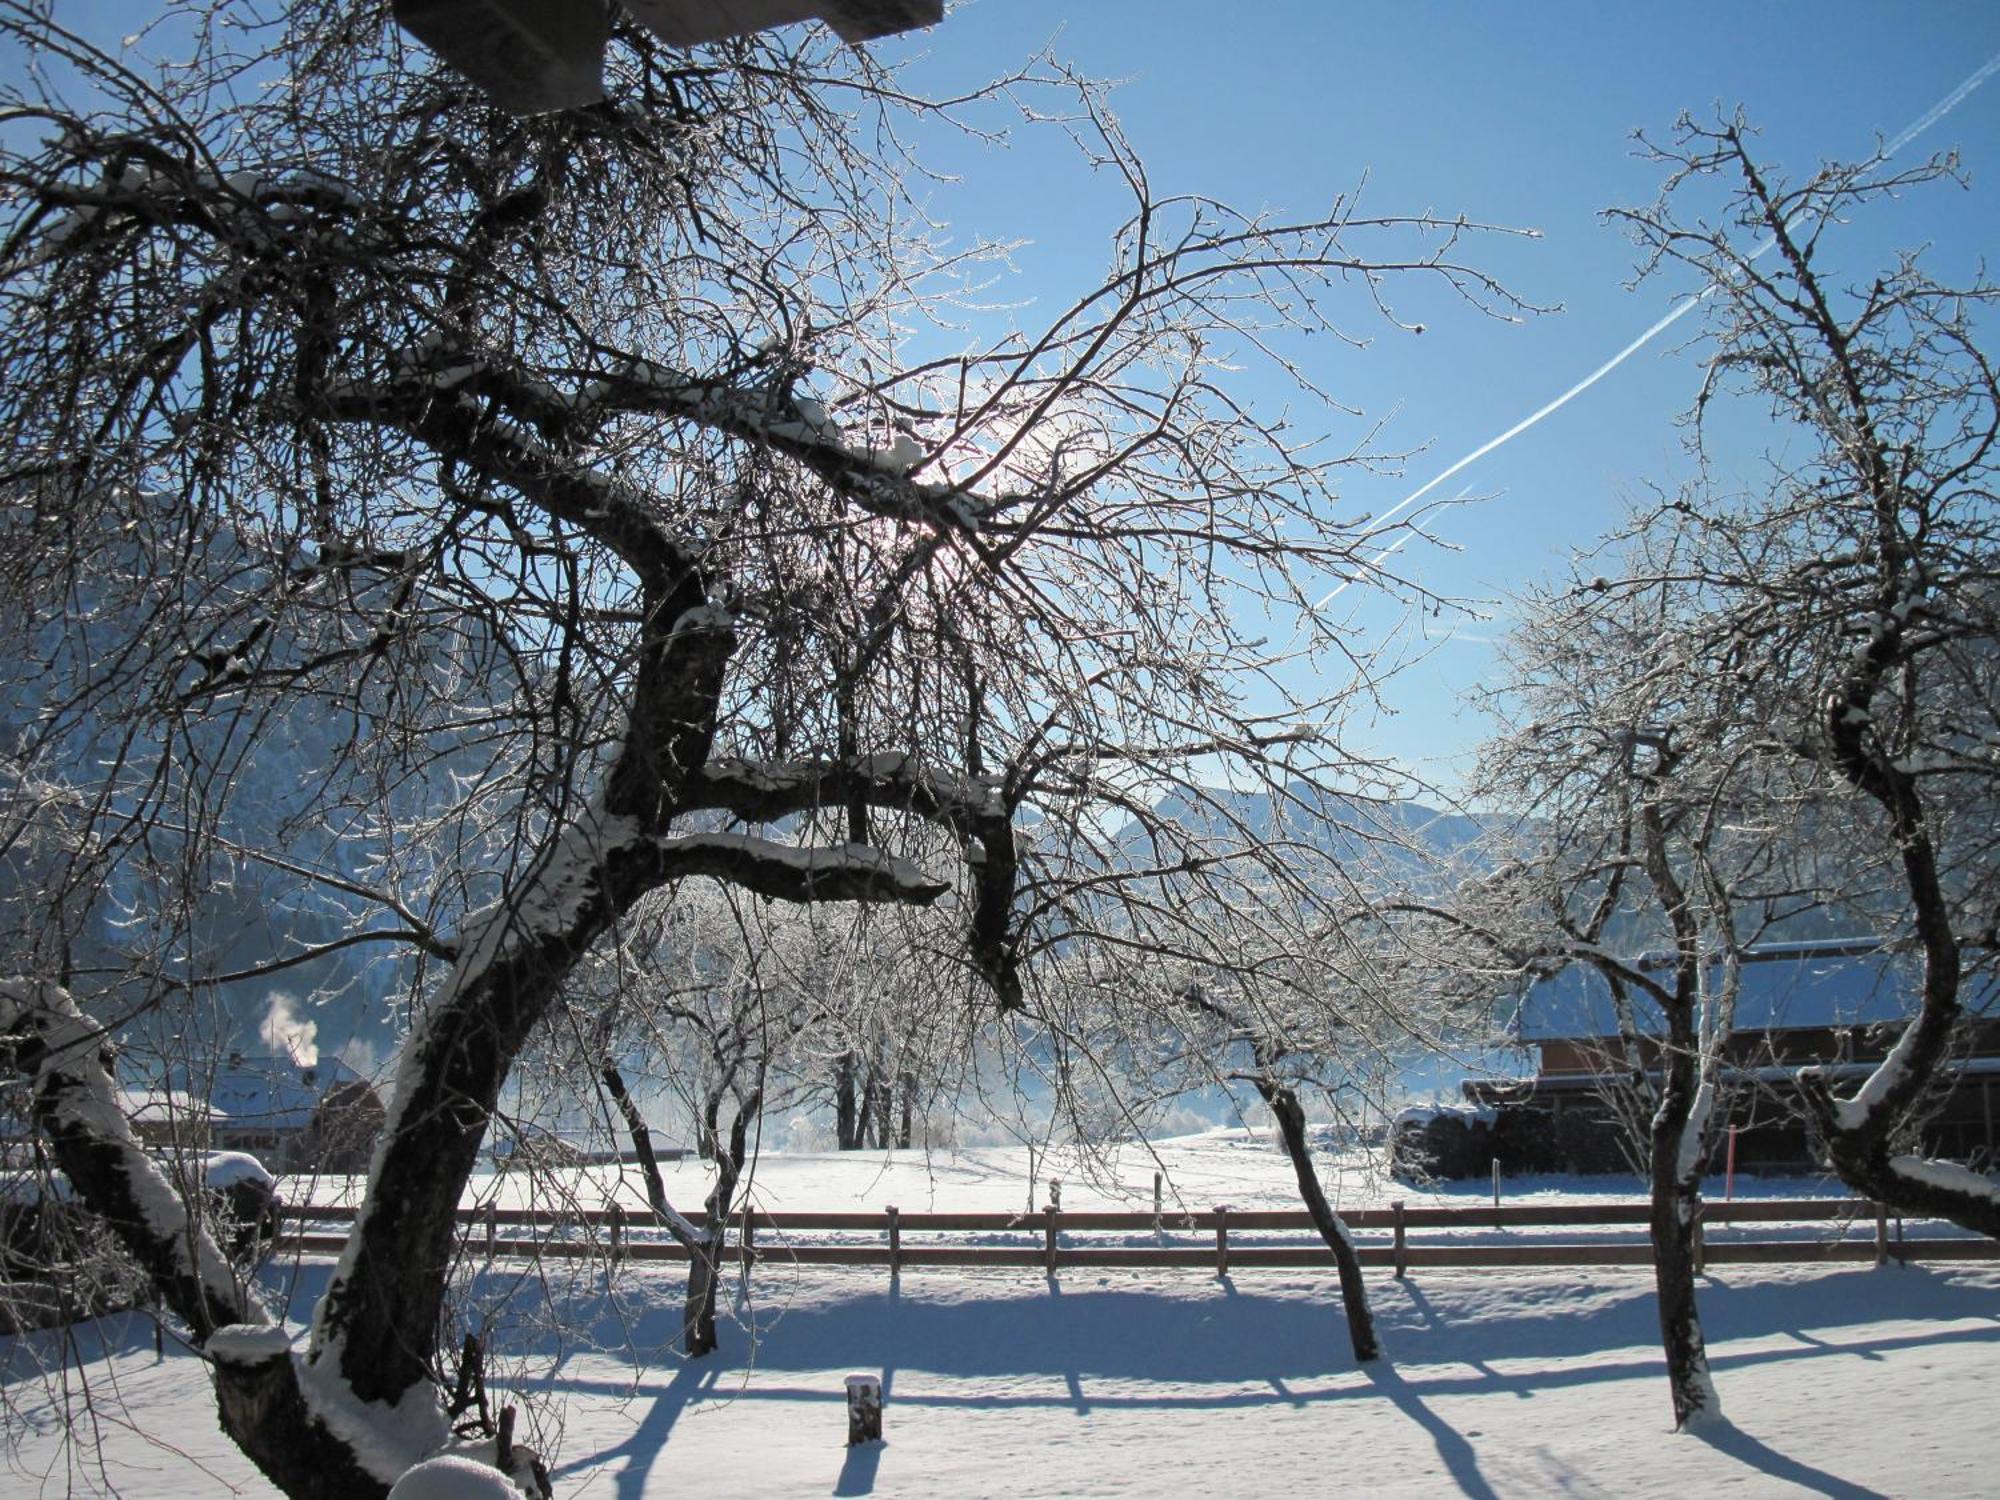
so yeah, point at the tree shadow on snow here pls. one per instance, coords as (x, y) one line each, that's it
(1452, 1445)
(1107, 1344)
(648, 1441)
(1727, 1438)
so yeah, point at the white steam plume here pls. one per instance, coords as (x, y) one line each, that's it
(288, 1034)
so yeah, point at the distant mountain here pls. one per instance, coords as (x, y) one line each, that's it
(291, 785)
(1383, 839)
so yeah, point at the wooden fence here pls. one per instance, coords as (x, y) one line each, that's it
(1222, 1239)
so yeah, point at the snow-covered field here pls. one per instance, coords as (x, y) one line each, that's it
(1238, 1167)
(1849, 1381)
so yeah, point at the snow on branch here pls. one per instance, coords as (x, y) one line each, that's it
(762, 791)
(786, 872)
(1946, 1177)
(452, 399)
(254, 205)
(449, 411)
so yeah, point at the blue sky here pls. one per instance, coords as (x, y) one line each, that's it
(1521, 114)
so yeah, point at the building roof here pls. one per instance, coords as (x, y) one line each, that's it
(154, 1106)
(1785, 986)
(275, 1093)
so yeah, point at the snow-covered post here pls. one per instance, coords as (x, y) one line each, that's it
(1051, 1220)
(617, 1219)
(1881, 1233)
(1158, 1184)
(895, 1242)
(864, 1409)
(1222, 1239)
(1402, 1251)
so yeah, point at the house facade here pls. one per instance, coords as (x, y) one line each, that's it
(293, 1116)
(1838, 1006)
(277, 1108)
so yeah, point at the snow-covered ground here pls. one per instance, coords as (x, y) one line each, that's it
(1847, 1381)
(1234, 1166)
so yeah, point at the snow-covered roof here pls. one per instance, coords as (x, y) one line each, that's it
(155, 1106)
(1784, 986)
(278, 1093)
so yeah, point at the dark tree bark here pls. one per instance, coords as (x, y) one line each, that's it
(1291, 1117)
(846, 1110)
(698, 1333)
(1860, 1132)
(705, 1263)
(1677, 1137)
(708, 1144)
(875, 1105)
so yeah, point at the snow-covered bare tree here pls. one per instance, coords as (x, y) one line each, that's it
(605, 491)
(1743, 708)
(712, 1002)
(1635, 834)
(1852, 597)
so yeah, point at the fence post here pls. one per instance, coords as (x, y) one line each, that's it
(1496, 1182)
(1881, 1234)
(1402, 1251)
(617, 1218)
(1050, 1217)
(492, 1227)
(1699, 1249)
(1156, 1201)
(895, 1241)
(1222, 1239)
(746, 1234)
(864, 1409)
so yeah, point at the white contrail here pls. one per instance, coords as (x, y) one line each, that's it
(1942, 108)
(1679, 310)
(1402, 541)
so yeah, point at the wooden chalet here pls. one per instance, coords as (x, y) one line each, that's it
(1837, 1005)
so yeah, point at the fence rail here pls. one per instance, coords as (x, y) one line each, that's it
(634, 1235)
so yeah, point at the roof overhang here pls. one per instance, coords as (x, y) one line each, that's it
(534, 56)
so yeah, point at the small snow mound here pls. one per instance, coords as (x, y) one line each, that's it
(226, 1169)
(1465, 1114)
(452, 1478)
(899, 457)
(247, 1343)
